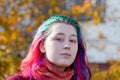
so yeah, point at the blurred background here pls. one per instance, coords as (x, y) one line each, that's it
(99, 20)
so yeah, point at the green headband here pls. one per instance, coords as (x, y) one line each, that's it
(58, 18)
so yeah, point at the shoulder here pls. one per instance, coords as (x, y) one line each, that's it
(16, 76)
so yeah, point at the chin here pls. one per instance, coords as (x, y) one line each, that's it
(65, 65)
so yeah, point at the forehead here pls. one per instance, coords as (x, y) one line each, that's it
(62, 28)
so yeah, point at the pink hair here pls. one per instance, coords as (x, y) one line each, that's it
(33, 56)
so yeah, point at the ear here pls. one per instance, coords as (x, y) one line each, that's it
(42, 47)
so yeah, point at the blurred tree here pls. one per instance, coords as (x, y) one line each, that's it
(19, 20)
(113, 73)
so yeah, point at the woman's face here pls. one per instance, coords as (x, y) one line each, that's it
(61, 45)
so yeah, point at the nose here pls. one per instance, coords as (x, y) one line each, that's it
(67, 47)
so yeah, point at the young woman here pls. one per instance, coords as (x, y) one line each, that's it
(56, 53)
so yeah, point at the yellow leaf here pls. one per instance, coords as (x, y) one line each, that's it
(64, 12)
(57, 9)
(12, 12)
(29, 28)
(86, 4)
(77, 7)
(53, 2)
(14, 35)
(50, 11)
(12, 20)
(3, 19)
(43, 17)
(4, 38)
(77, 10)
(96, 21)
(96, 18)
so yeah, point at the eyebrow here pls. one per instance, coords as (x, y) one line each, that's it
(74, 35)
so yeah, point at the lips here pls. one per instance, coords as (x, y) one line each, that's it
(66, 54)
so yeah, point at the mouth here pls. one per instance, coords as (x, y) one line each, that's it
(66, 54)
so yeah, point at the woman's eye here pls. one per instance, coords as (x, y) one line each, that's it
(59, 39)
(73, 41)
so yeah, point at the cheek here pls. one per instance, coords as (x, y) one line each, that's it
(52, 52)
(74, 50)
(56, 45)
(52, 48)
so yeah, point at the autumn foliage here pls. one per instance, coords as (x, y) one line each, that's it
(19, 20)
(112, 73)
